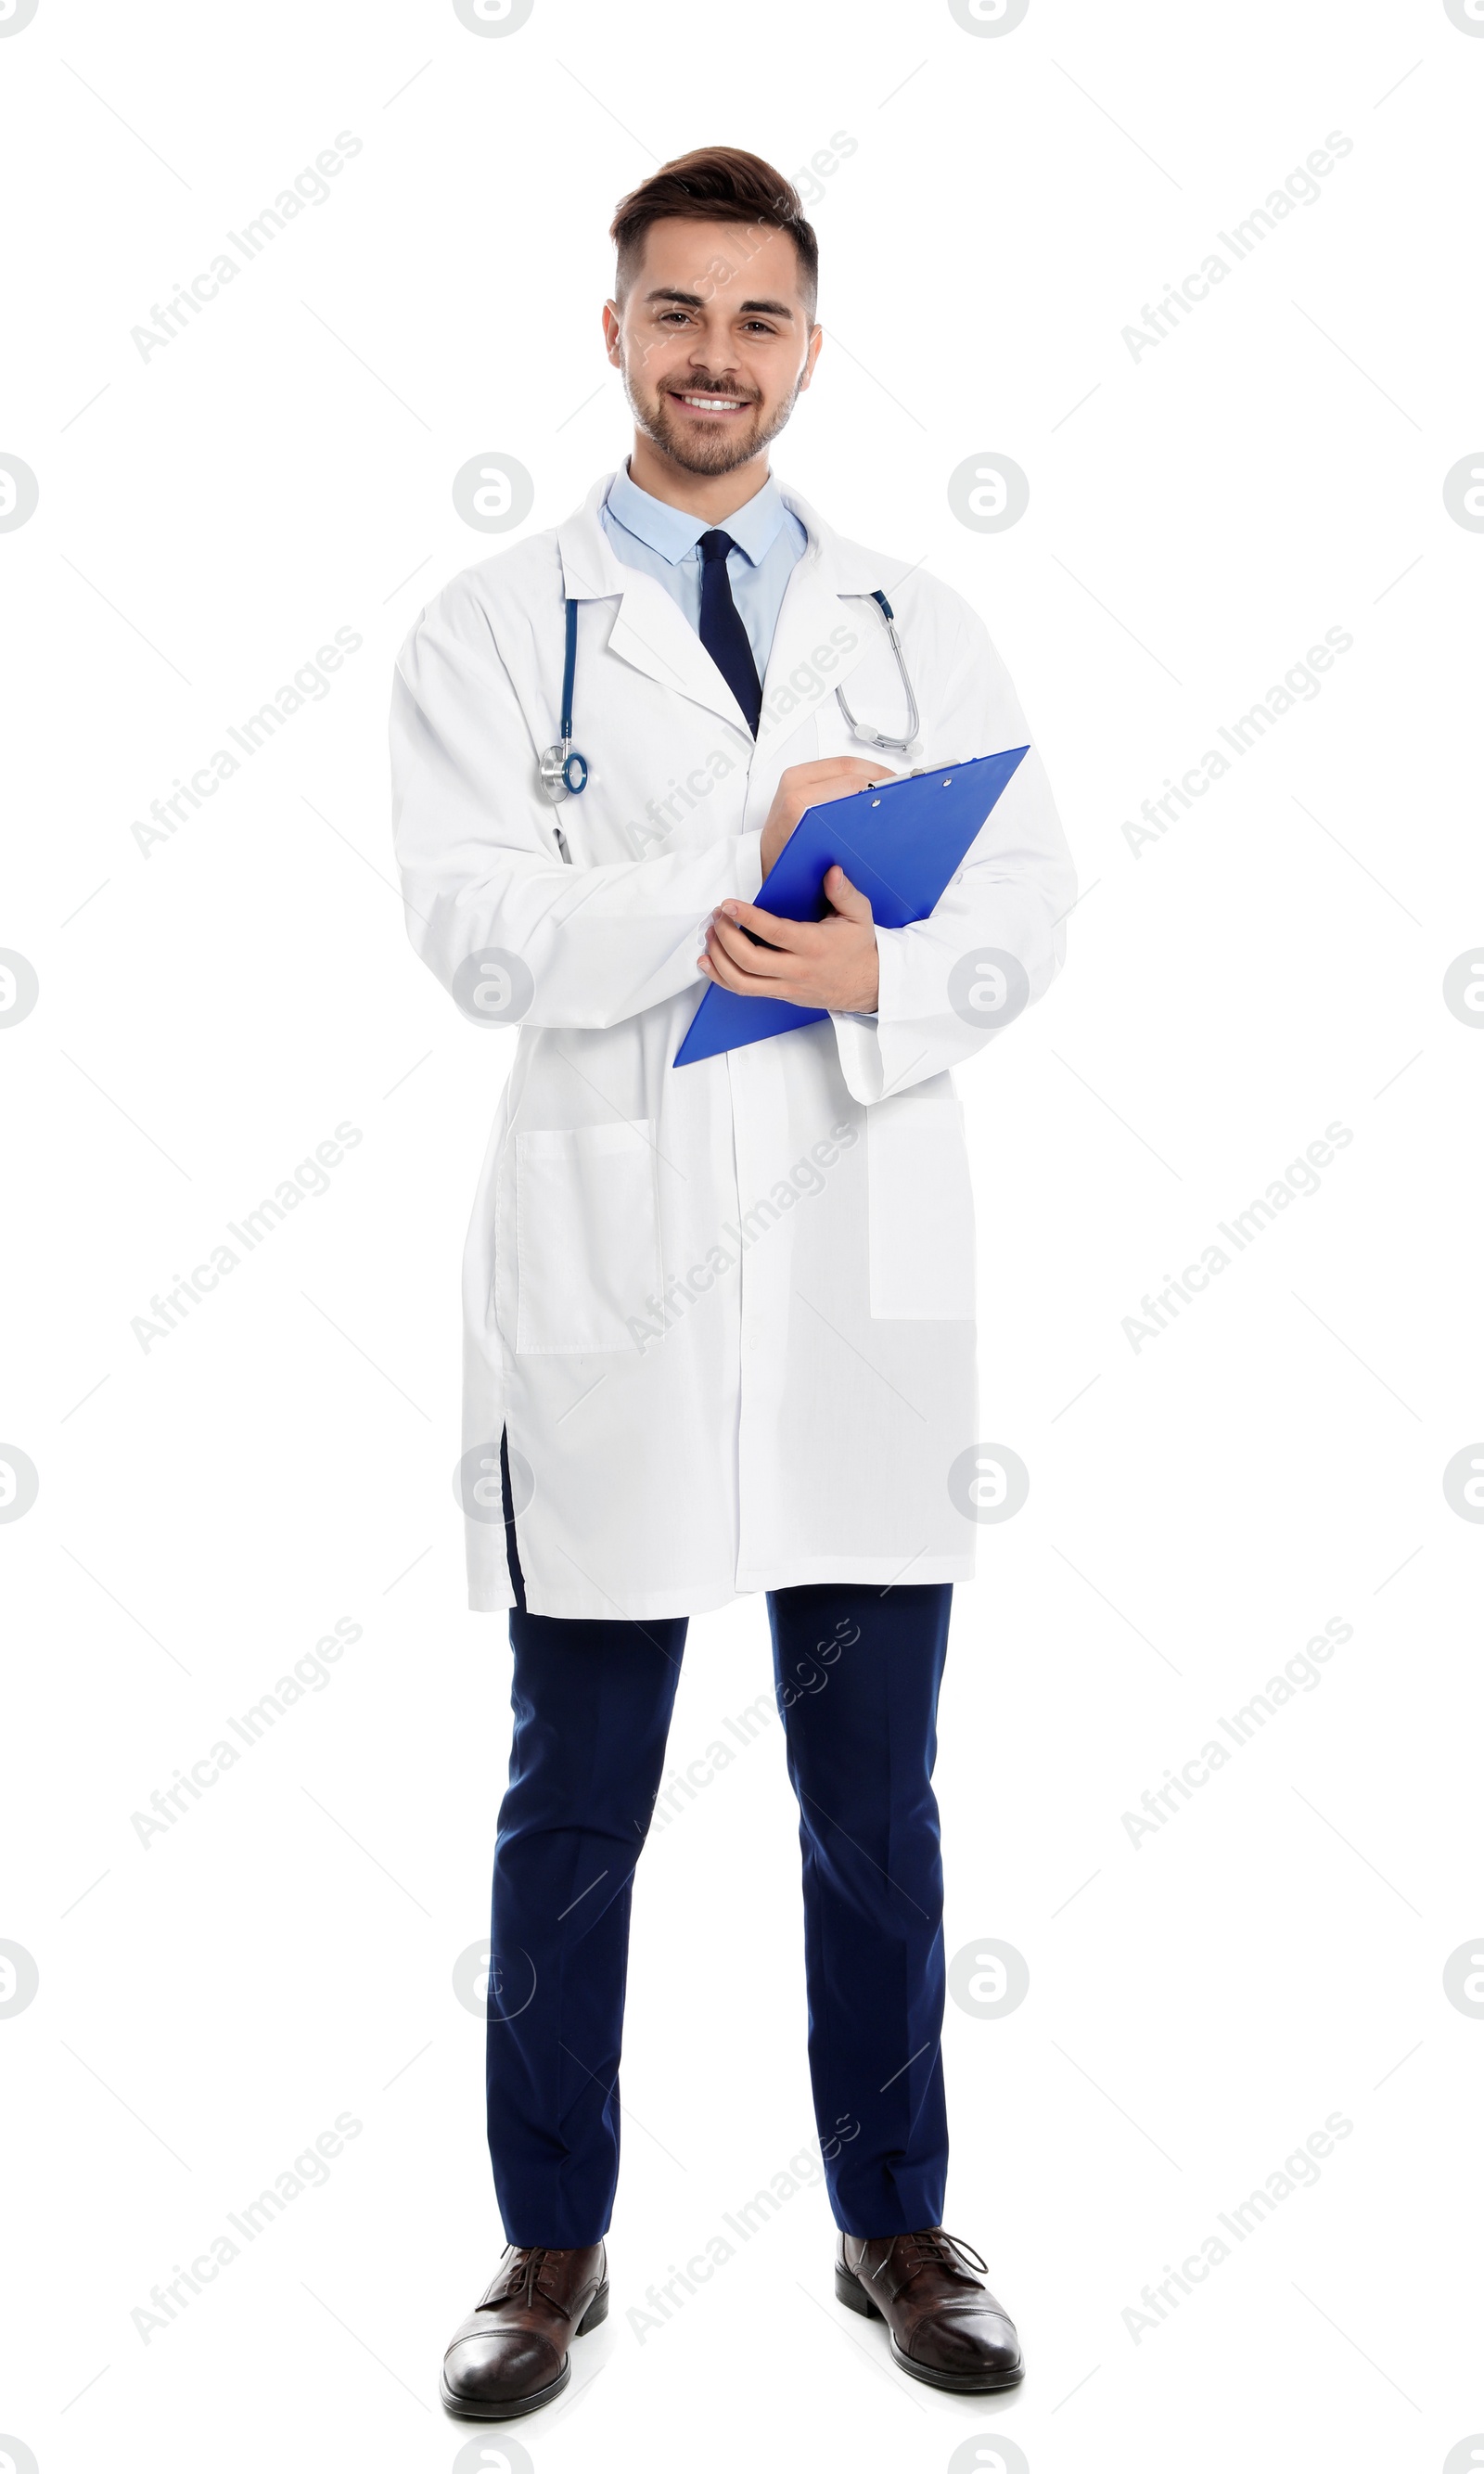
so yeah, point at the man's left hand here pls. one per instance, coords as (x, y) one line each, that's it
(829, 962)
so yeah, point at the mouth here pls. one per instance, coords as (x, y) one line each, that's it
(710, 407)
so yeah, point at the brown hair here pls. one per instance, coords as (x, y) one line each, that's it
(715, 184)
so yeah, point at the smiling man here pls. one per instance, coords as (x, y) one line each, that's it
(718, 1317)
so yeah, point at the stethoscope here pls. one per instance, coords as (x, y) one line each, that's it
(564, 772)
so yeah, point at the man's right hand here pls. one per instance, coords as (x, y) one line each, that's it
(809, 786)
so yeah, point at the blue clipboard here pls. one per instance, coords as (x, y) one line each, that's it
(899, 843)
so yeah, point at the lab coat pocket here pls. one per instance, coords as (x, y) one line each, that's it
(587, 1237)
(920, 1206)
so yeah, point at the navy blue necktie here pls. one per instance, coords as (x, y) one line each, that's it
(722, 631)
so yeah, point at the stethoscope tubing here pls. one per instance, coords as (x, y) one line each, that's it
(564, 772)
(878, 738)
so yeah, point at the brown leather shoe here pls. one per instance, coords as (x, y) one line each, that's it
(945, 2327)
(511, 2355)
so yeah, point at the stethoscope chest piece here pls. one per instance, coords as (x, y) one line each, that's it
(562, 770)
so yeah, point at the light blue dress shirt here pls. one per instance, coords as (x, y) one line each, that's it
(662, 540)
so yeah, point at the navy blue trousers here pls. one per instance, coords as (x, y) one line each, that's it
(857, 1672)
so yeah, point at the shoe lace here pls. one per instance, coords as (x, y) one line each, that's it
(526, 2262)
(934, 2248)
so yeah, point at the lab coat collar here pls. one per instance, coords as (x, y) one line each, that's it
(652, 634)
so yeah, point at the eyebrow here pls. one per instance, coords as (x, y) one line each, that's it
(696, 301)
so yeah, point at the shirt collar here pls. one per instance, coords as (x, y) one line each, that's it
(669, 530)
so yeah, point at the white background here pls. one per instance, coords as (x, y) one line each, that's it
(1199, 1508)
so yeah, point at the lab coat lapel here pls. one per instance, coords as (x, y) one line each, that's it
(816, 602)
(649, 631)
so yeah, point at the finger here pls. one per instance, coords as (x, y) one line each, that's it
(835, 778)
(818, 767)
(861, 766)
(727, 974)
(845, 897)
(789, 934)
(853, 775)
(809, 783)
(752, 960)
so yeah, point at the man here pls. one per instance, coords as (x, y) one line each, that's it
(719, 1316)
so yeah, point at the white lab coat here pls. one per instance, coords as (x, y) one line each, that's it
(725, 1312)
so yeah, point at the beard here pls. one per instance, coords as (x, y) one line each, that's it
(692, 448)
